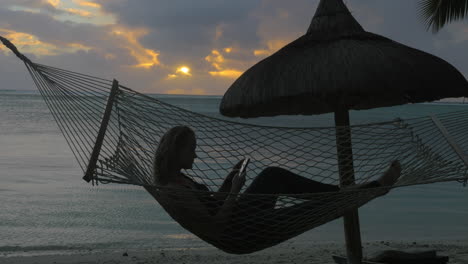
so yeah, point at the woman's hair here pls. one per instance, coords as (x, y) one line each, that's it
(169, 145)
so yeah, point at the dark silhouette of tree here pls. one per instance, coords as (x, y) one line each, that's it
(438, 13)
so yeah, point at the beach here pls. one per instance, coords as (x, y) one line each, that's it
(457, 251)
(350, 139)
(50, 215)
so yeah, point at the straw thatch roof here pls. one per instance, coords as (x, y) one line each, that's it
(337, 64)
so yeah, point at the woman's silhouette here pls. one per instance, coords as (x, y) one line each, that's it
(208, 214)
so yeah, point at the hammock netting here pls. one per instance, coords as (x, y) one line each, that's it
(120, 149)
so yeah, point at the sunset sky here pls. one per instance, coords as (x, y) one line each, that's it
(188, 46)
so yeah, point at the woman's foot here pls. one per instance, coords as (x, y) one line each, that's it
(391, 175)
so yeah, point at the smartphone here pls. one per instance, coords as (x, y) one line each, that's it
(244, 166)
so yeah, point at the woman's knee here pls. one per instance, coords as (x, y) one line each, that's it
(272, 172)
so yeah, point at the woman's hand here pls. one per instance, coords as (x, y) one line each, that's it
(234, 170)
(238, 165)
(226, 187)
(238, 182)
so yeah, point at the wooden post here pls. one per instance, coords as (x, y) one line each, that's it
(102, 131)
(450, 140)
(346, 168)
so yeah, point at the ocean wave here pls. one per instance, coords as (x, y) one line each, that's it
(8, 249)
(38, 248)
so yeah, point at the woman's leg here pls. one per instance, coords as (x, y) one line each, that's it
(322, 203)
(257, 220)
(278, 180)
(275, 180)
(281, 181)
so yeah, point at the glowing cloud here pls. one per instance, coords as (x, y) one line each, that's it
(31, 44)
(217, 60)
(78, 12)
(78, 46)
(146, 58)
(232, 74)
(87, 3)
(54, 3)
(272, 47)
(260, 53)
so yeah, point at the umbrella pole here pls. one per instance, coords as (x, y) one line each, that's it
(346, 168)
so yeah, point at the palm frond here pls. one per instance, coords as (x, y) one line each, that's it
(437, 13)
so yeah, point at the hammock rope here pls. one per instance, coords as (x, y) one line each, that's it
(430, 151)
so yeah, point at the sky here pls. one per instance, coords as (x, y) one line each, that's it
(185, 46)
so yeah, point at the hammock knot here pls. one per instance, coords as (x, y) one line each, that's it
(13, 48)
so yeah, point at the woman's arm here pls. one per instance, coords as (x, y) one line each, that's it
(226, 209)
(198, 214)
(227, 183)
(185, 207)
(223, 190)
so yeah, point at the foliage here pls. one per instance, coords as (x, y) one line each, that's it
(437, 13)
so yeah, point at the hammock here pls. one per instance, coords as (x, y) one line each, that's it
(114, 132)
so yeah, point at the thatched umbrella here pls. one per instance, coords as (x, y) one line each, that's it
(334, 67)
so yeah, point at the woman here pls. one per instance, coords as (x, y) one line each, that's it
(210, 215)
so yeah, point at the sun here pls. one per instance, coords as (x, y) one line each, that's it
(181, 71)
(184, 70)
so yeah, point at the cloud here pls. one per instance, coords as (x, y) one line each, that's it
(78, 12)
(232, 74)
(216, 59)
(182, 71)
(177, 14)
(31, 44)
(129, 39)
(218, 62)
(143, 43)
(54, 3)
(186, 27)
(108, 41)
(87, 3)
(59, 6)
(64, 10)
(272, 46)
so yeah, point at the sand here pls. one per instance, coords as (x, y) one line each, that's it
(288, 252)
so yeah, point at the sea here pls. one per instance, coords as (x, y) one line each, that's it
(46, 207)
